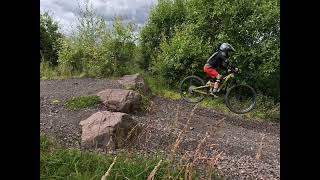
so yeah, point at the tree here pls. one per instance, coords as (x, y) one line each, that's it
(163, 19)
(96, 50)
(49, 39)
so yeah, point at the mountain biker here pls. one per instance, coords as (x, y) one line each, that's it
(219, 59)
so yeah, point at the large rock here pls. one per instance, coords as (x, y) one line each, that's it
(121, 100)
(135, 82)
(108, 130)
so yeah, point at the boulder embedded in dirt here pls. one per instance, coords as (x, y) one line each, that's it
(135, 82)
(121, 100)
(108, 130)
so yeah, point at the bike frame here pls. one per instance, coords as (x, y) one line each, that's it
(223, 85)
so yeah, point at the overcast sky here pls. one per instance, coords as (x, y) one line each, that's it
(64, 11)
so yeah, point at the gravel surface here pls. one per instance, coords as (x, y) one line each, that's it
(238, 139)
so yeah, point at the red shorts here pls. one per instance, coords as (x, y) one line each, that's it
(210, 71)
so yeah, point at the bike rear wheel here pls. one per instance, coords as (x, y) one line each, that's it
(187, 92)
(240, 99)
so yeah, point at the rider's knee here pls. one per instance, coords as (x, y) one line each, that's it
(218, 77)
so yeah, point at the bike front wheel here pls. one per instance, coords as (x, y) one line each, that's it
(240, 99)
(188, 91)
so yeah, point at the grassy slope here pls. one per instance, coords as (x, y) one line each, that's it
(265, 109)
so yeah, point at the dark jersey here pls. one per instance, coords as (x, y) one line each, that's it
(218, 59)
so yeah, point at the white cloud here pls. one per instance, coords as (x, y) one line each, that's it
(65, 11)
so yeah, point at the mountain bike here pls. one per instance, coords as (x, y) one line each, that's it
(239, 97)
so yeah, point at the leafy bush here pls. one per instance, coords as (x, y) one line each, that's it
(181, 56)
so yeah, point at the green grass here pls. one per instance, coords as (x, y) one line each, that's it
(160, 89)
(265, 110)
(83, 102)
(60, 163)
(58, 73)
(47, 72)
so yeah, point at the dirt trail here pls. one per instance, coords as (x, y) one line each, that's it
(238, 139)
